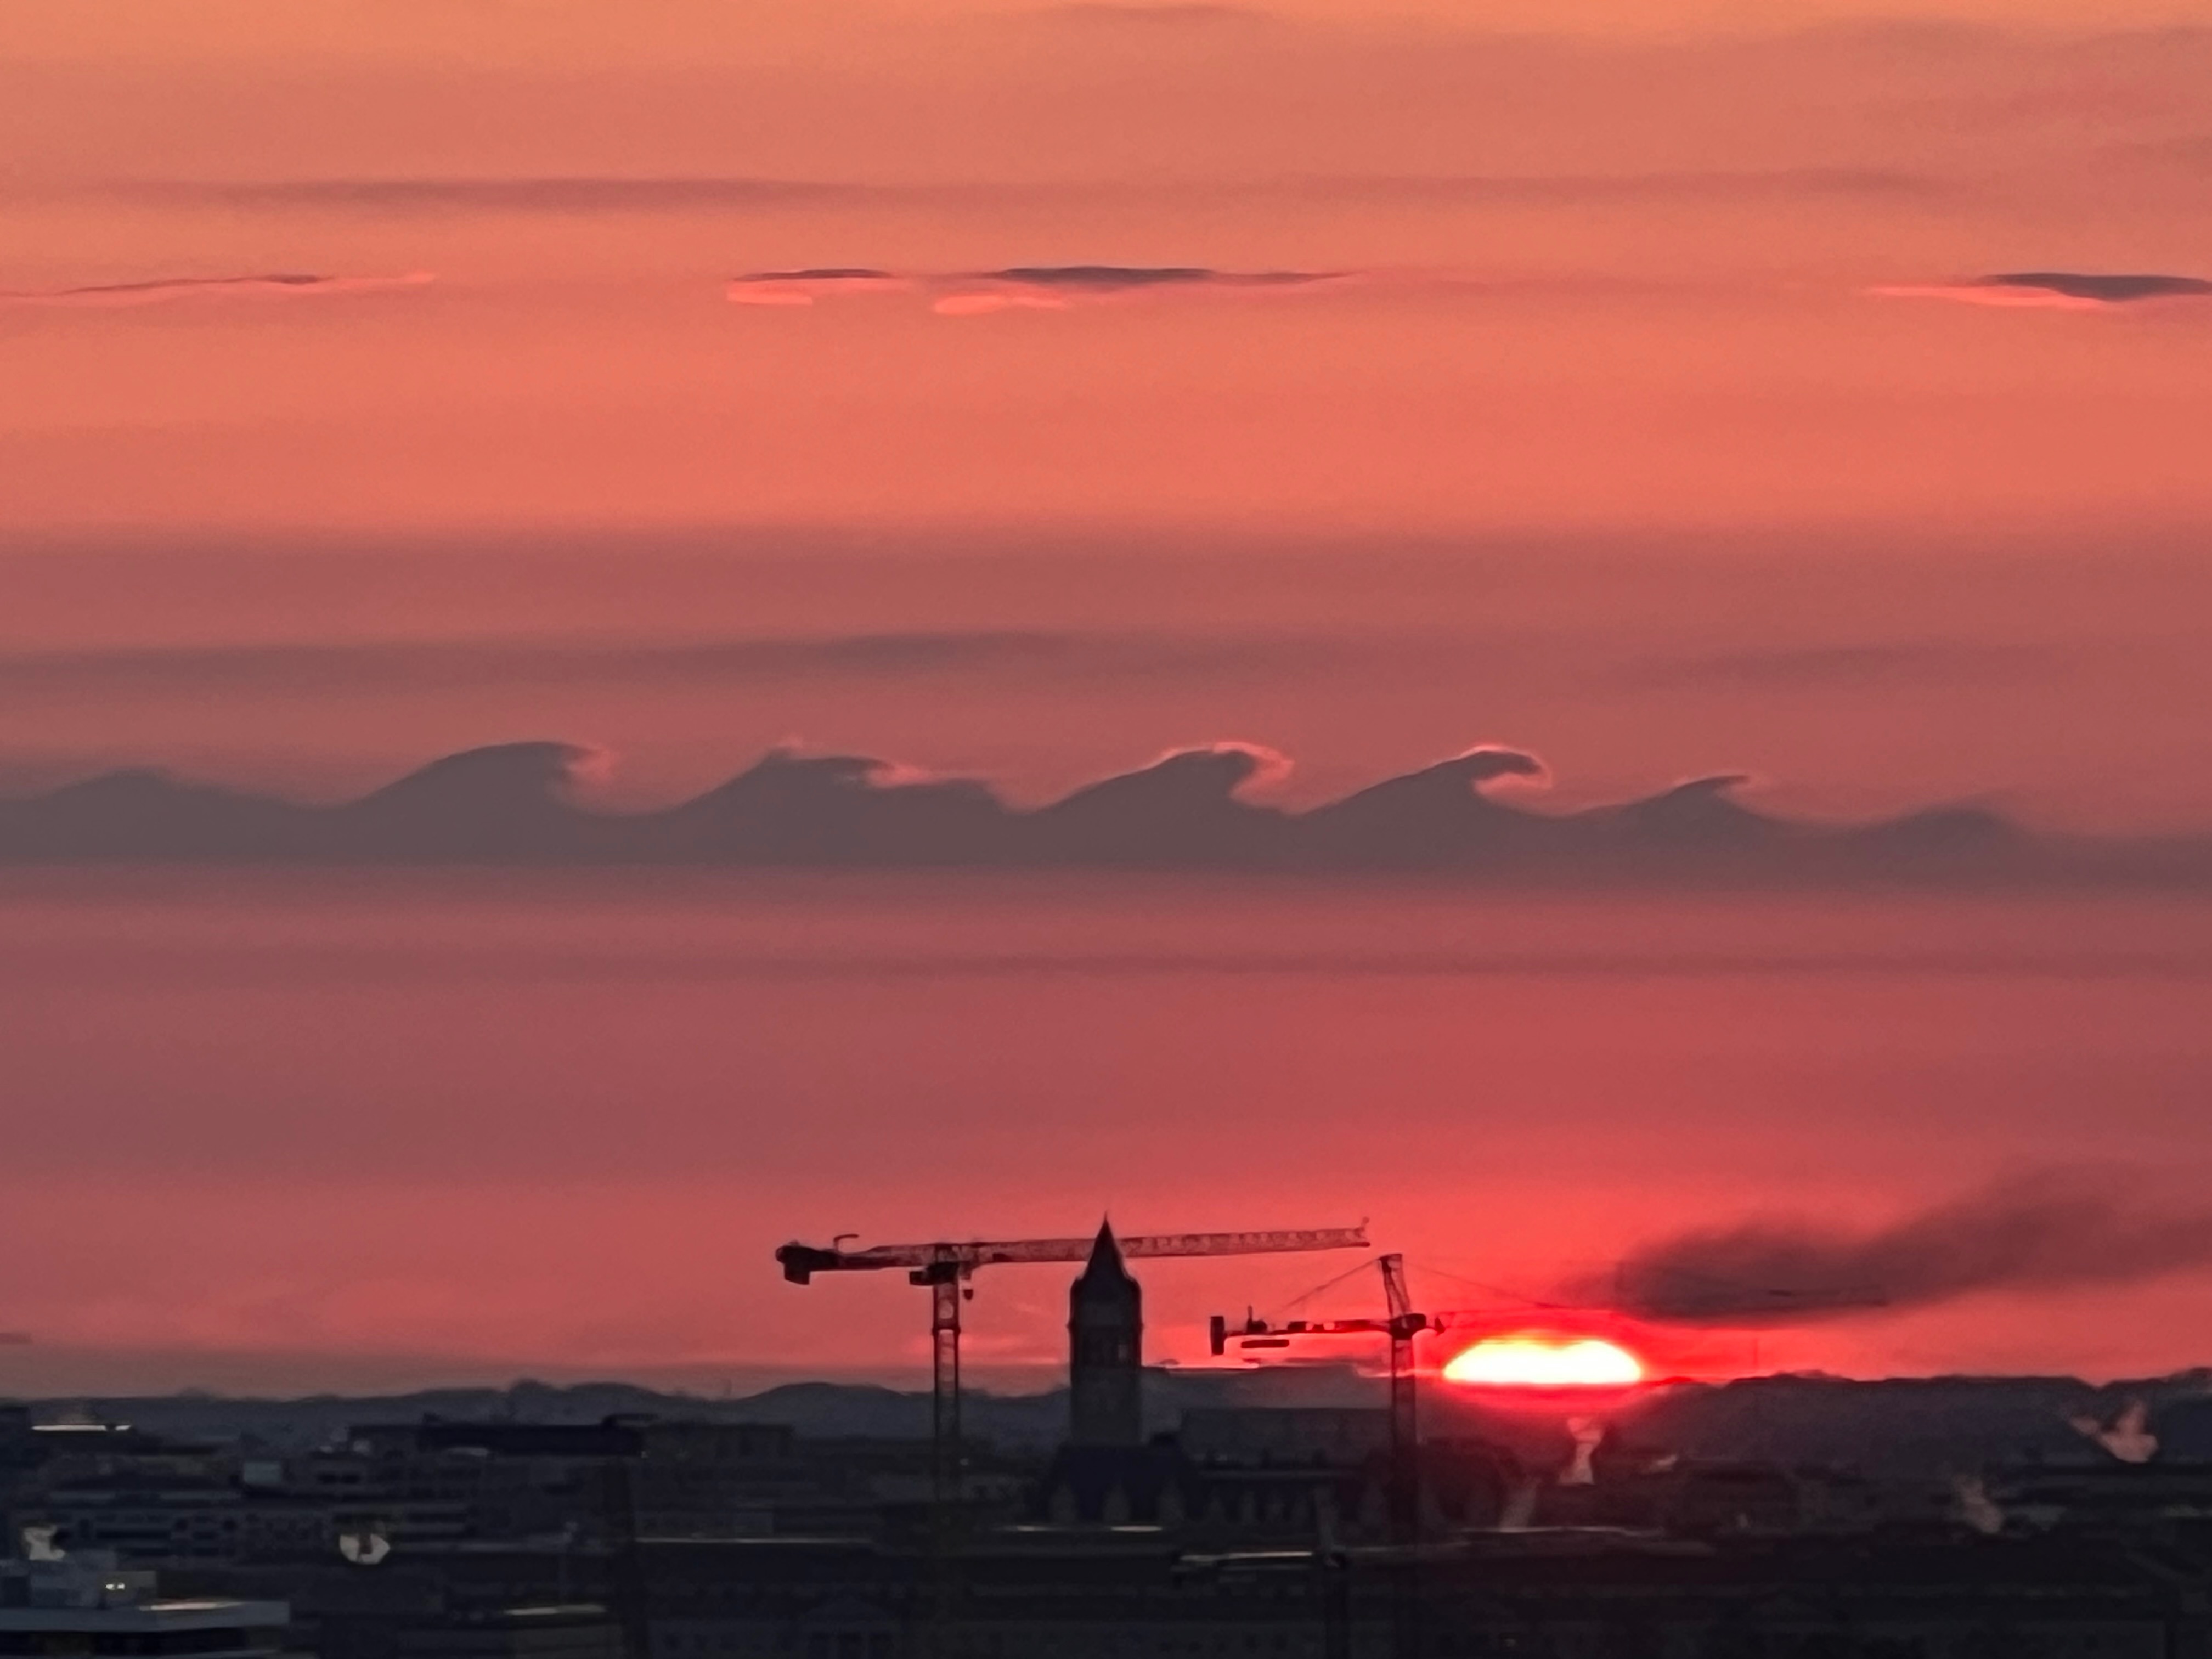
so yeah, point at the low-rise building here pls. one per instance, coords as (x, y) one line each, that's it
(85, 1606)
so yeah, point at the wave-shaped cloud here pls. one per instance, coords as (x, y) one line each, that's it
(280, 284)
(2056, 290)
(1037, 288)
(1192, 808)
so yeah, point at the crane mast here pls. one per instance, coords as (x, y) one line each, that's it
(1399, 1325)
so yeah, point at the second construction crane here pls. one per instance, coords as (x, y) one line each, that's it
(1401, 1324)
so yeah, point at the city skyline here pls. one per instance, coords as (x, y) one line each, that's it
(631, 634)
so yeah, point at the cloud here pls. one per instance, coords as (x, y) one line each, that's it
(2109, 289)
(279, 285)
(417, 666)
(1116, 279)
(1698, 816)
(1184, 808)
(801, 288)
(2047, 1232)
(1827, 666)
(1035, 287)
(1055, 288)
(553, 194)
(2056, 290)
(1191, 808)
(1192, 14)
(985, 300)
(506, 801)
(1434, 817)
(1588, 189)
(584, 196)
(798, 808)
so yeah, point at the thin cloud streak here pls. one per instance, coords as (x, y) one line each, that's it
(545, 194)
(1004, 656)
(1822, 667)
(417, 666)
(1122, 279)
(281, 285)
(1038, 288)
(1592, 188)
(2056, 290)
(802, 288)
(587, 196)
(1188, 14)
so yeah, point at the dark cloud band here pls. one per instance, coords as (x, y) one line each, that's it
(1190, 809)
(2050, 1232)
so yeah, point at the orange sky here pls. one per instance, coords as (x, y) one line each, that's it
(1597, 438)
(1612, 275)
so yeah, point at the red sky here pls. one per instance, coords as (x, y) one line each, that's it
(1599, 440)
(560, 1121)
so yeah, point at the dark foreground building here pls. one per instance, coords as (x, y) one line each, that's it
(87, 1607)
(1538, 1595)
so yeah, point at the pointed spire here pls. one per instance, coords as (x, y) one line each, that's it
(1105, 1265)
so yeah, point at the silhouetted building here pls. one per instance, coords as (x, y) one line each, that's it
(1105, 1334)
(440, 1601)
(1335, 1435)
(1133, 1593)
(560, 1630)
(522, 1480)
(87, 1606)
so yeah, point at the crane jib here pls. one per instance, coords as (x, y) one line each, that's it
(1264, 1243)
(801, 1262)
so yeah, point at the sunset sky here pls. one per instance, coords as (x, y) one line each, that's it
(1664, 388)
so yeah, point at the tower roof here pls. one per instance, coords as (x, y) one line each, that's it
(1105, 1269)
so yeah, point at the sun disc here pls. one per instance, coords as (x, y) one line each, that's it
(1544, 1362)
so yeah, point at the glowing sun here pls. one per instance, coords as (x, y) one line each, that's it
(1545, 1362)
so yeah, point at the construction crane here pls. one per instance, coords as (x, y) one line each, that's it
(946, 1266)
(1399, 1324)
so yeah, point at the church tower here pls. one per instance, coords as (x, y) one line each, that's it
(1105, 1357)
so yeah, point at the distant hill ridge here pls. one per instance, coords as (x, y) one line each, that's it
(1898, 1426)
